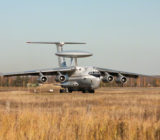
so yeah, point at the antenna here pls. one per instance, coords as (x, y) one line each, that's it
(61, 60)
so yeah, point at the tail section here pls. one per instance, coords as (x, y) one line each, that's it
(61, 60)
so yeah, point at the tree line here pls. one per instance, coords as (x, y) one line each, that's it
(136, 82)
(24, 81)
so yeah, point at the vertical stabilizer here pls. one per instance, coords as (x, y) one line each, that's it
(61, 60)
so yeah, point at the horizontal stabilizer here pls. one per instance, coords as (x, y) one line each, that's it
(57, 43)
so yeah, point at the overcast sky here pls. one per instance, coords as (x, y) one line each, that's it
(122, 34)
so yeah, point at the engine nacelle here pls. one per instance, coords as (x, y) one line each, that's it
(107, 78)
(121, 79)
(42, 79)
(61, 78)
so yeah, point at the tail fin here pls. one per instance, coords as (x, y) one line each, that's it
(61, 60)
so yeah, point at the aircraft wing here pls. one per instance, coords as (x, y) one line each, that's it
(52, 71)
(116, 73)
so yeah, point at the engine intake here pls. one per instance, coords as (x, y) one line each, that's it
(42, 79)
(61, 78)
(121, 79)
(107, 78)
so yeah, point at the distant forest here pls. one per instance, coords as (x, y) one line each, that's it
(24, 81)
(138, 82)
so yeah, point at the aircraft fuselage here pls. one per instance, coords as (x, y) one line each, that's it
(83, 78)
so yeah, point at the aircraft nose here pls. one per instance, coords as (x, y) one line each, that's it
(95, 83)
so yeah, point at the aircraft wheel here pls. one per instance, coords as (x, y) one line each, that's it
(70, 90)
(91, 91)
(61, 90)
(83, 91)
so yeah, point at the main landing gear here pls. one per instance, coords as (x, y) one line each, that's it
(88, 91)
(65, 90)
(68, 90)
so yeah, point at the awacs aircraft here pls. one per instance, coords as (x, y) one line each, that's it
(74, 77)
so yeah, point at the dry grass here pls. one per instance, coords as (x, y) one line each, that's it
(110, 113)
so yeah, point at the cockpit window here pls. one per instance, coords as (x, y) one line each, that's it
(95, 73)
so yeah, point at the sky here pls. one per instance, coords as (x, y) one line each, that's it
(122, 35)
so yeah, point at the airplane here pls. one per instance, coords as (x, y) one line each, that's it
(73, 77)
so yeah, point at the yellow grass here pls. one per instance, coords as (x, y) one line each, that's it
(109, 114)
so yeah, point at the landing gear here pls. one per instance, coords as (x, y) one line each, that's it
(65, 90)
(69, 90)
(84, 91)
(91, 91)
(62, 90)
(88, 91)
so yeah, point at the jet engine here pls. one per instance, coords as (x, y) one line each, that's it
(42, 79)
(121, 79)
(107, 78)
(62, 78)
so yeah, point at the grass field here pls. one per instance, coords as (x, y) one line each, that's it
(109, 114)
